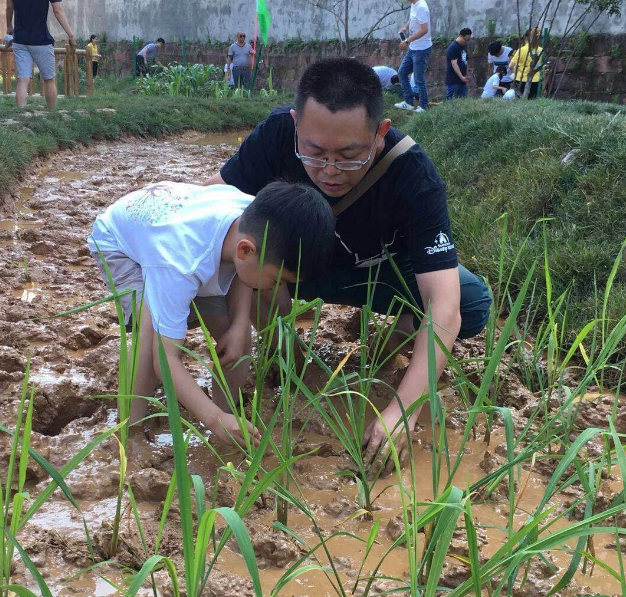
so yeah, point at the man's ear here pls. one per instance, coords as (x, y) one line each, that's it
(294, 116)
(245, 248)
(383, 127)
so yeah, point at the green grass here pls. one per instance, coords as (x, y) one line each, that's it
(36, 132)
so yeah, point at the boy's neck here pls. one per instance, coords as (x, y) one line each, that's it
(233, 236)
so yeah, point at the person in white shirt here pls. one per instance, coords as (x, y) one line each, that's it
(387, 76)
(493, 86)
(420, 44)
(500, 55)
(173, 244)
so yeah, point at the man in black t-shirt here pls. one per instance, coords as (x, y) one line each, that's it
(32, 43)
(456, 65)
(330, 140)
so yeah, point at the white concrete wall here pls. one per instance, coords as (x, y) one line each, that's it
(220, 19)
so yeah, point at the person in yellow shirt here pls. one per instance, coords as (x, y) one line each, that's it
(525, 61)
(93, 46)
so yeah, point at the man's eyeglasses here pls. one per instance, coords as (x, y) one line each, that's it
(339, 164)
(243, 36)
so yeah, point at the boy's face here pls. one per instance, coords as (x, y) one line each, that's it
(247, 266)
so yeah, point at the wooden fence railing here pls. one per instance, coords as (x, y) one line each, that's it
(71, 57)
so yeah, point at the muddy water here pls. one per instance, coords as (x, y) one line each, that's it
(45, 269)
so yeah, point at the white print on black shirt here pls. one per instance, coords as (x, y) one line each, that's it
(370, 261)
(442, 243)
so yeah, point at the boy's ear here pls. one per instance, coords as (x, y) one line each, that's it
(245, 248)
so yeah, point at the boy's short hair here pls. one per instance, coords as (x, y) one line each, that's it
(161, 40)
(395, 80)
(465, 32)
(495, 47)
(501, 69)
(300, 227)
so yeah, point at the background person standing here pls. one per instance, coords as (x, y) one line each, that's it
(239, 60)
(420, 45)
(32, 42)
(456, 65)
(93, 46)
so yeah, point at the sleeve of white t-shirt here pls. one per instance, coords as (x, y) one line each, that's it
(168, 295)
(422, 15)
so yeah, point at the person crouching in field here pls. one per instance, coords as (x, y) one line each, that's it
(176, 243)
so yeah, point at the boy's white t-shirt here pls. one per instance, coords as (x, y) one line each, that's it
(488, 90)
(419, 15)
(175, 232)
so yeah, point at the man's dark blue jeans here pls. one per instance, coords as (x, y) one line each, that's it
(415, 61)
(456, 91)
(349, 286)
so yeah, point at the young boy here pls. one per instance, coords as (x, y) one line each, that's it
(176, 243)
(493, 86)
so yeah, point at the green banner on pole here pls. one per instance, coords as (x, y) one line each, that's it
(264, 19)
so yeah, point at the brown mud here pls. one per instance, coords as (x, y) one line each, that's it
(45, 269)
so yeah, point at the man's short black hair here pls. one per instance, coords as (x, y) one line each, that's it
(300, 227)
(495, 47)
(342, 84)
(395, 80)
(501, 69)
(160, 39)
(465, 31)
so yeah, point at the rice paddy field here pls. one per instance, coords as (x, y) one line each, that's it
(514, 484)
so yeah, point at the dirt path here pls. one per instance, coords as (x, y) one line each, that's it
(45, 269)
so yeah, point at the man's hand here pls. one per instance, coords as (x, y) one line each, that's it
(465, 79)
(376, 449)
(402, 29)
(226, 428)
(72, 42)
(10, 30)
(403, 45)
(232, 345)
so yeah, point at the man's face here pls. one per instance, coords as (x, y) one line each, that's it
(343, 136)
(241, 38)
(466, 38)
(159, 45)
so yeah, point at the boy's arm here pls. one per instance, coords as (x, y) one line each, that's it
(223, 425)
(232, 344)
(61, 17)
(9, 14)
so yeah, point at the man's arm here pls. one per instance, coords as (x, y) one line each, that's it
(442, 292)
(9, 14)
(215, 179)
(457, 70)
(61, 17)
(423, 30)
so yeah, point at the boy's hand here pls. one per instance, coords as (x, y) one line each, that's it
(232, 345)
(227, 429)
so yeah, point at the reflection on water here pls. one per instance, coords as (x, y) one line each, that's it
(232, 138)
